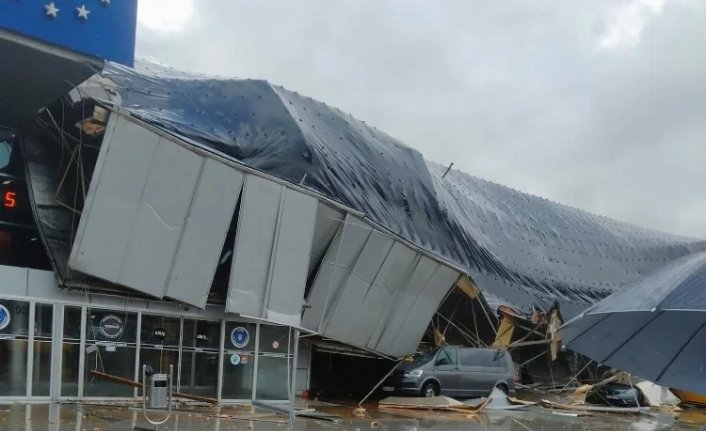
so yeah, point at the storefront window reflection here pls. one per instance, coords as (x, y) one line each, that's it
(41, 360)
(14, 324)
(199, 363)
(159, 344)
(238, 361)
(71, 351)
(110, 348)
(274, 361)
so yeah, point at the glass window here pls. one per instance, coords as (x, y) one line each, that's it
(484, 358)
(274, 363)
(41, 359)
(447, 356)
(199, 358)
(110, 348)
(160, 331)
(239, 360)
(5, 153)
(71, 351)
(14, 324)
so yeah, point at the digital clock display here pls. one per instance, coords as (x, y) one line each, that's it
(10, 199)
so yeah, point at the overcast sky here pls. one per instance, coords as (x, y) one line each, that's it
(596, 104)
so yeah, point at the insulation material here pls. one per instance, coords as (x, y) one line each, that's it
(505, 331)
(374, 292)
(468, 287)
(159, 226)
(272, 251)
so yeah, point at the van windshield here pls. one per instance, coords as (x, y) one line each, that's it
(424, 357)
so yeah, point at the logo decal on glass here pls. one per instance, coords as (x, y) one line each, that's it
(111, 327)
(239, 337)
(4, 317)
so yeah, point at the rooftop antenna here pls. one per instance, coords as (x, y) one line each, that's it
(447, 170)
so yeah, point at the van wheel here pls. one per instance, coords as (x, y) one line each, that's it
(503, 387)
(430, 389)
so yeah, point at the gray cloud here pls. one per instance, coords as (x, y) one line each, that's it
(522, 93)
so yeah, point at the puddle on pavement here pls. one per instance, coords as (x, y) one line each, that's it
(90, 417)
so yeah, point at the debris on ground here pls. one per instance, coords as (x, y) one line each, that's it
(298, 412)
(429, 403)
(590, 408)
(656, 395)
(441, 406)
(616, 395)
(499, 400)
(691, 398)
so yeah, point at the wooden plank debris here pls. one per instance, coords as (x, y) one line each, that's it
(134, 384)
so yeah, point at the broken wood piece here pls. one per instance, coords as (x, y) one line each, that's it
(439, 403)
(134, 384)
(590, 408)
(304, 413)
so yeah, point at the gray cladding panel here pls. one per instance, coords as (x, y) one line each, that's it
(347, 306)
(328, 221)
(380, 300)
(396, 267)
(162, 213)
(254, 242)
(402, 307)
(423, 309)
(204, 233)
(340, 257)
(290, 261)
(108, 218)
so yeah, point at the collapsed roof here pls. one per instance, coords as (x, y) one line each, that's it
(519, 249)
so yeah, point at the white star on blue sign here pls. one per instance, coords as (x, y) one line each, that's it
(82, 12)
(51, 10)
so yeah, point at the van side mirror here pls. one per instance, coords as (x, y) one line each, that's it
(442, 361)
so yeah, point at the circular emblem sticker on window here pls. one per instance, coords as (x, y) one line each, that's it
(235, 359)
(275, 344)
(4, 317)
(111, 327)
(239, 337)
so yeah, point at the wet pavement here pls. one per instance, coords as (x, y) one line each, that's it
(93, 417)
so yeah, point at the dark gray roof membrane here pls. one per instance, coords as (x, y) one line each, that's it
(679, 285)
(521, 248)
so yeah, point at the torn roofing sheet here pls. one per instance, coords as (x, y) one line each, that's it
(522, 249)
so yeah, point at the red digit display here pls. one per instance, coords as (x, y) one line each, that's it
(10, 201)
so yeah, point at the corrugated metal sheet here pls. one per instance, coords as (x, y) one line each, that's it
(272, 251)
(374, 292)
(204, 233)
(156, 215)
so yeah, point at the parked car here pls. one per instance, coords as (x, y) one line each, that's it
(461, 372)
(616, 395)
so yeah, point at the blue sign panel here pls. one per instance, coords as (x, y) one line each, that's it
(239, 337)
(4, 317)
(99, 28)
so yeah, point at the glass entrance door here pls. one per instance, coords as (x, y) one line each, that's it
(111, 340)
(159, 344)
(199, 357)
